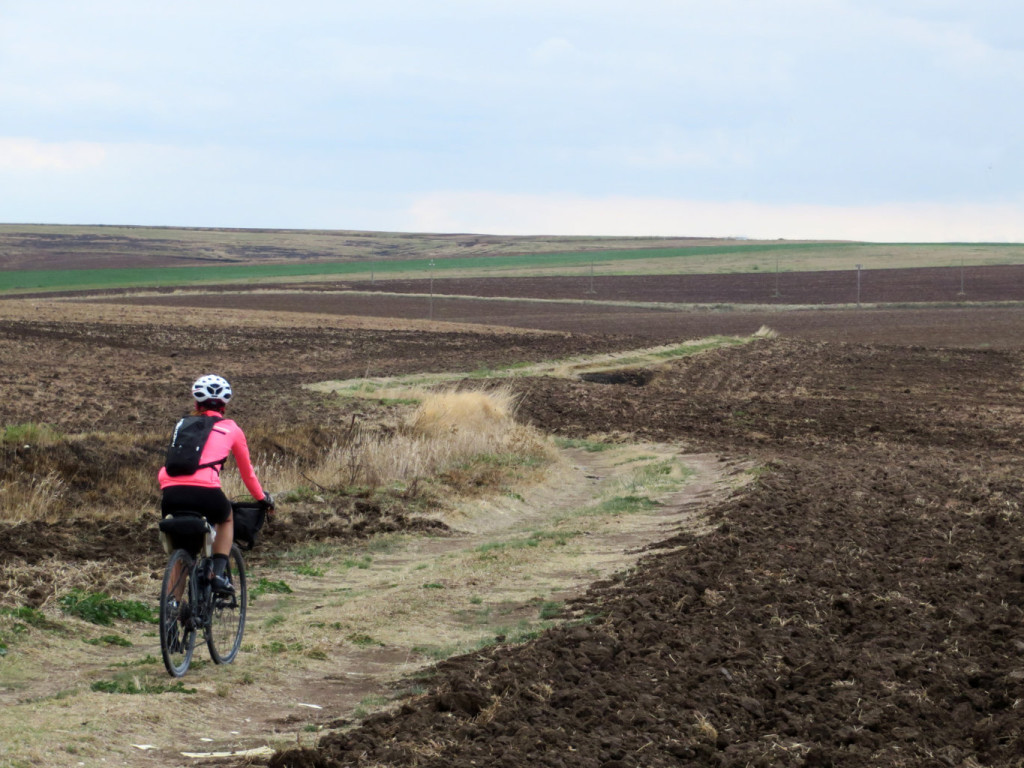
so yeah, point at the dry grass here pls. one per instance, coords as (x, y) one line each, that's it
(113, 477)
(32, 498)
(448, 432)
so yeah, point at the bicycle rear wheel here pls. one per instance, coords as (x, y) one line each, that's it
(177, 608)
(227, 616)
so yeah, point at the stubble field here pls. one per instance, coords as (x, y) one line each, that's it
(858, 603)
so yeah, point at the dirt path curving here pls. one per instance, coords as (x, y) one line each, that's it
(356, 628)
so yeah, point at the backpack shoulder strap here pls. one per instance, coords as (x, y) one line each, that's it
(219, 464)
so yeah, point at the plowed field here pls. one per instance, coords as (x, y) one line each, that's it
(859, 604)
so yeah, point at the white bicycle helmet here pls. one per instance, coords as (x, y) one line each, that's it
(211, 389)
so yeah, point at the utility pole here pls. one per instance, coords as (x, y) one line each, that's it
(777, 294)
(431, 289)
(961, 277)
(858, 286)
(591, 291)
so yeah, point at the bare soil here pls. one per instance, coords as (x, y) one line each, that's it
(860, 604)
(590, 322)
(926, 284)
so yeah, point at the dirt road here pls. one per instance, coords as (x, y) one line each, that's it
(335, 633)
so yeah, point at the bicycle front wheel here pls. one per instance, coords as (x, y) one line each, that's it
(177, 611)
(227, 616)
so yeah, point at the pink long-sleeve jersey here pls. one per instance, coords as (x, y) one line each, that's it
(226, 438)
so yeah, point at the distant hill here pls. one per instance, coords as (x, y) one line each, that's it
(61, 247)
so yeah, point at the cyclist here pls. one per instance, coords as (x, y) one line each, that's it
(201, 492)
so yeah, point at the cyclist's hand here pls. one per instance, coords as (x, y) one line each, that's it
(268, 502)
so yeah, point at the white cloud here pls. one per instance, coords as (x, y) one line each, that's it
(495, 213)
(19, 154)
(553, 49)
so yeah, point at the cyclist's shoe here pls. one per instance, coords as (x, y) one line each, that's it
(222, 585)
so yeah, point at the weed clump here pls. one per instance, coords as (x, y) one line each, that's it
(100, 608)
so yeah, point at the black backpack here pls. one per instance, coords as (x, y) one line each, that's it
(187, 444)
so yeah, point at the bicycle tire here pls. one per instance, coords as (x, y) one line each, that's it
(227, 614)
(177, 608)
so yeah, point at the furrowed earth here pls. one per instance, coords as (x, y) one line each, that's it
(856, 602)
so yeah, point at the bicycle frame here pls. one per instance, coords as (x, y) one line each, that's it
(188, 603)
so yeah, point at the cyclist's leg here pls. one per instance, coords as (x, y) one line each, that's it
(219, 514)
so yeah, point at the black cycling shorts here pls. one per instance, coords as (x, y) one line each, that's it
(211, 503)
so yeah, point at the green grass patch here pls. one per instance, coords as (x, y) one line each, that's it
(535, 539)
(100, 608)
(81, 279)
(110, 640)
(33, 618)
(686, 350)
(309, 570)
(551, 609)
(128, 683)
(363, 640)
(590, 446)
(368, 704)
(265, 586)
(626, 505)
(31, 433)
(362, 563)
(146, 660)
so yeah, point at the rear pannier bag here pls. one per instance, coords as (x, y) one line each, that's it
(187, 444)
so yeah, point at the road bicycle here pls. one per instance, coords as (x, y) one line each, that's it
(188, 603)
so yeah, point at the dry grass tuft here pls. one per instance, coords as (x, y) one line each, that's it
(482, 413)
(764, 332)
(41, 583)
(33, 498)
(448, 432)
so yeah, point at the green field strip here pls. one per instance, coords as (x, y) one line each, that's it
(82, 279)
(735, 258)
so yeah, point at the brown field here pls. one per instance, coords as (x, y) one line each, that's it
(622, 308)
(877, 286)
(860, 603)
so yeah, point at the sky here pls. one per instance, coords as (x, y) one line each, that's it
(879, 120)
